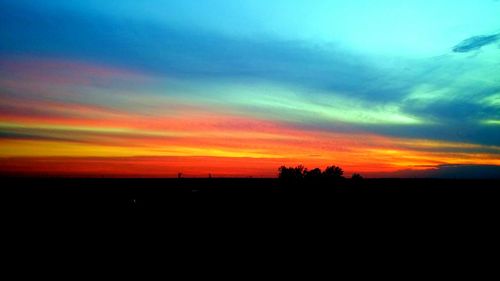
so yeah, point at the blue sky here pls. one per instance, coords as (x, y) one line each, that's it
(408, 27)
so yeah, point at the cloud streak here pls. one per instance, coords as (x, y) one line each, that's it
(450, 172)
(476, 43)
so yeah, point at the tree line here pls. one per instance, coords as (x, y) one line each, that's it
(301, 173)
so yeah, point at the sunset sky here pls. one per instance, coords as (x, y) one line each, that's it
(153, 88)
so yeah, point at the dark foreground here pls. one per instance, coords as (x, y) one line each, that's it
(252, 195)
(216, 212)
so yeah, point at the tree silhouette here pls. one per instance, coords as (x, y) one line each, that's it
(292, 174)
(300, 171)
(314, 174)
(296, 176)
(333, 173)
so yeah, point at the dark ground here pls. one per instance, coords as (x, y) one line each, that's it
(408, 215)
(249, 195)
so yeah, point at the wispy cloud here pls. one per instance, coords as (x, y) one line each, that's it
(476, 43)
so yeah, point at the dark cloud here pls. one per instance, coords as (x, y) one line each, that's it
(476, 43)
(8, 135)
(452, 111)
(451, 172)
(461, 132)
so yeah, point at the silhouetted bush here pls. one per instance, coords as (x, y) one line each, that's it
(356, 177)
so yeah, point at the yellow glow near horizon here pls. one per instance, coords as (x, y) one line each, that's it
(29, 148)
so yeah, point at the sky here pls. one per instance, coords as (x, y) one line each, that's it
(237, 88)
